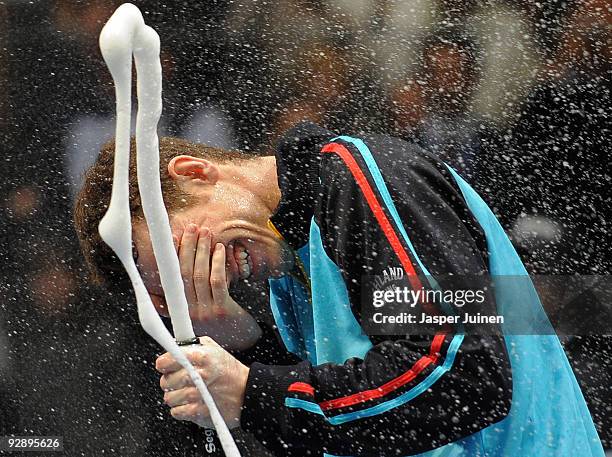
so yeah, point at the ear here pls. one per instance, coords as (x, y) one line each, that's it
(185, 168)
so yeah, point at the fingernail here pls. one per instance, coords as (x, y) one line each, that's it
(191, 228)
(204, 232)
(219, 246)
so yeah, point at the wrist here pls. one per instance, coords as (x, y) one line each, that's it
(248, 337)
(264, 411)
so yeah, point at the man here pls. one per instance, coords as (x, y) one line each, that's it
(320, 218)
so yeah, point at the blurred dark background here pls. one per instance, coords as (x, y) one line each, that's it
(514, 94)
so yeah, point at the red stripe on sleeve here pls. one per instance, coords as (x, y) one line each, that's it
(405, 378)
(301, 387)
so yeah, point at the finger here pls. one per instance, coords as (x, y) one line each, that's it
(186, 259)
(192, 412)
(198, 356)
(218, 282)
(182, 397)
(175, 380)
(166, 364)
(229, 254)
(178, 380)
(201, 271)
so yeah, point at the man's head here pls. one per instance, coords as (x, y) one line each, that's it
(231, 193)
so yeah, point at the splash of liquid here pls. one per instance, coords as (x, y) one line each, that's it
(126, 34)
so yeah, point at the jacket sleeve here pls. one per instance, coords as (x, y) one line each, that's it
(408, 394)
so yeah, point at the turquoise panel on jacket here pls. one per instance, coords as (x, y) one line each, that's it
(549, 416)
(327, 330)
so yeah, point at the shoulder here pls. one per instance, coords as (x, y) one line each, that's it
(403, 167)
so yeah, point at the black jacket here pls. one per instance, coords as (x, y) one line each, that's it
(330, 187)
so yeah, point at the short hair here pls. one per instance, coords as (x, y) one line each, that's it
(94, 197)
